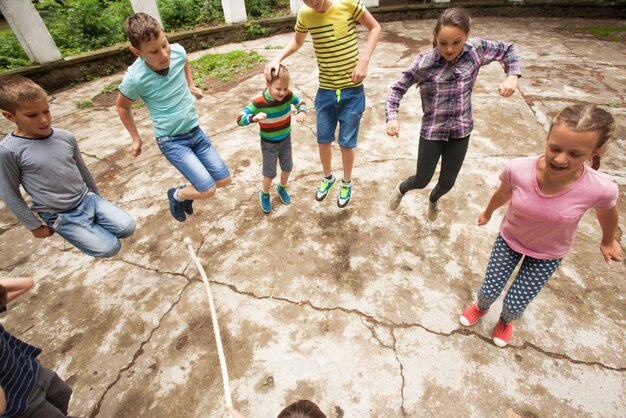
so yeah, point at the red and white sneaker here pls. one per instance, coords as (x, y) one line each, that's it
(471, 315)
(502, 334)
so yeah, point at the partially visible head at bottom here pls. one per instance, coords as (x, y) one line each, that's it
(302, 409)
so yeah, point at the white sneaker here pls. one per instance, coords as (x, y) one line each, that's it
(396, 197)
(433, 211)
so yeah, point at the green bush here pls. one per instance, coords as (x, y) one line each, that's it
(253, 31)
(79, 26)
(84, 25)
(11, 53)
(186, 14)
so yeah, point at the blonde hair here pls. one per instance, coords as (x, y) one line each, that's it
(455, 16)
(587, 118)
(15, 89)
(281, 74)
(141, 27)
(302, 409)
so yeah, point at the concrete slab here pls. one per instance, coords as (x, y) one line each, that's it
(356, 309)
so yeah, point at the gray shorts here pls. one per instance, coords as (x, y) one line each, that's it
(273, 151)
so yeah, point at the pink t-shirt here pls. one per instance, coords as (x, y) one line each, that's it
(544, 226)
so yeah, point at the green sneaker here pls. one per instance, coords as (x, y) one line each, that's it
(345, 191)
(324, 188)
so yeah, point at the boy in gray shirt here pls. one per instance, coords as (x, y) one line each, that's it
(49, 166)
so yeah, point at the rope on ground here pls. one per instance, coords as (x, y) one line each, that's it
(216, 329)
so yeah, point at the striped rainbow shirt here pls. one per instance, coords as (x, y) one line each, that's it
(277, 126)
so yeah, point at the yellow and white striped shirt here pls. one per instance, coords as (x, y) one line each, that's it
(334, 40)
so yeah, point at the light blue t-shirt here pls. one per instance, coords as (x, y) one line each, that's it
(168, 98)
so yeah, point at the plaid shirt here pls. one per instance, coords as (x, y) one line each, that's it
(446, 88)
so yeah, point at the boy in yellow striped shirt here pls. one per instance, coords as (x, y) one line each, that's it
(340, 97)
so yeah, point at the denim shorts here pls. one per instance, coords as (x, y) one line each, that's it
(347, 111)
(193, 154)
(273, 151)
(94, 226)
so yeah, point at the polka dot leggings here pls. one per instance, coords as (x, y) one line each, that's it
(532, 276)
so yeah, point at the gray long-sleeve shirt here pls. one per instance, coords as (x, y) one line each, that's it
(50, 169)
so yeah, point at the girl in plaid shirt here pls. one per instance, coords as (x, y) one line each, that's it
(446, 76)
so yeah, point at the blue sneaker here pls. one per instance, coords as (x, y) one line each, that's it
(324, 188)
(187, 207)
(284, 196)
(187, 204)
(176, 208)
(265, 202)
(344, 194)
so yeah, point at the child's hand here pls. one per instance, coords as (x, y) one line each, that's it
(393, 128)
(233, 412)
(611, 252)
(259, 116)
(196, 91)
(44, 231)
(508, 86)
(300, 117)
(360, 72)
(483, 219)
(135, 147)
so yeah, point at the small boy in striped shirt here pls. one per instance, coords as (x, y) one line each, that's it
(272, 111)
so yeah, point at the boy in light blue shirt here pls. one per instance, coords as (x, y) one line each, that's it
(162, 77)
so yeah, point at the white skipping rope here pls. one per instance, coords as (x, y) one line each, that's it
(216, 329)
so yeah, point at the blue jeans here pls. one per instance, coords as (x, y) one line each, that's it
(195, 157)
(94, 226)
(347, 112)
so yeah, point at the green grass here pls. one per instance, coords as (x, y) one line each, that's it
(273, 47)
(223, 66)
(84, 104)
(605, 32)
(137, 104)
(110, 88)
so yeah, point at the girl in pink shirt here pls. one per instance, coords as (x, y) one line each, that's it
(548, 195)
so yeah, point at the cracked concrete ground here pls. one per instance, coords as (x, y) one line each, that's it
(356, 309)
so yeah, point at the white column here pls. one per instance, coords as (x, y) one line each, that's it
(148, 7)
(234, 11)
(295, 5)
(440, 1)
(30, 31)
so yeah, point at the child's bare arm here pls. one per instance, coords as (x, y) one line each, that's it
(123, 105)
(3, 401)
(192, 85)
(499, 198)
(609, 247)
(15, 286)
(373, 27)
(294, 44)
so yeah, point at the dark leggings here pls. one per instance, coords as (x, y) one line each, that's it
(452, 153)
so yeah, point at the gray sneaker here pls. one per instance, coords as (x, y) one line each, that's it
(433, 211)
(396, 197)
